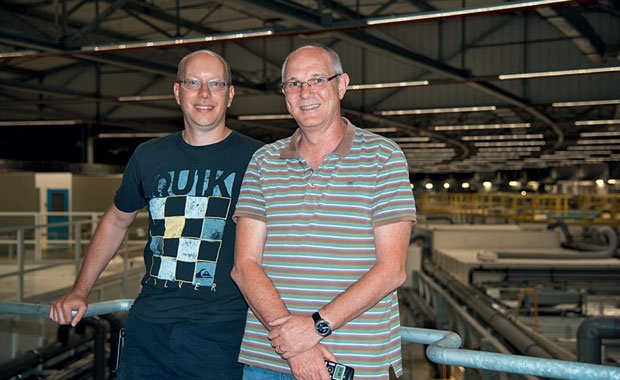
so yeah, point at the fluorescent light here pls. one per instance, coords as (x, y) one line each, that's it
(423, 145)
(542, 74)
(510, 143)
(382, 130)
(511, 149)
(599, 134)
(462, 12)
(436, 110)
(33, 123)
(410, 139)
(593, 147)
(480, 126)
(586, 103)
(18, 54)
(430, 151)
(598, 122)
(131, 135)
(386, 85)
(591, 142)
(177, 41)
(148, 98)
(264, 117)
(502, 137)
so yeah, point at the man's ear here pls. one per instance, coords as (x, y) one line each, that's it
(175, 90)
(231, 95)
(343, 83)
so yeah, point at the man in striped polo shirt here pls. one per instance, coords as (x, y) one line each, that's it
(323, 225)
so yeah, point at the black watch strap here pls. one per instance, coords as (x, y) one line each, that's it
(321, 326)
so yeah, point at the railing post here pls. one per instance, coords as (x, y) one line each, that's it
(20, 264)
(38, 234)
(77, 251)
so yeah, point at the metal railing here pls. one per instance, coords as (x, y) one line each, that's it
(583, 209)
(33, 241)
(443, 348)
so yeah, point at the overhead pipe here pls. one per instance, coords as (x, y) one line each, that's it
(589, 336)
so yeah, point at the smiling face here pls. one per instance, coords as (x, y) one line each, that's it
(203, 110)
(313, 107)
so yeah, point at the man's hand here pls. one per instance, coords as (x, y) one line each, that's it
(293, 335)
(60, 310)
(310, 365)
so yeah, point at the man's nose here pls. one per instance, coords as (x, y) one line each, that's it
(305, 89)
(204, 91)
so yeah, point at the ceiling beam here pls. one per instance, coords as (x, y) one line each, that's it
(361, 38)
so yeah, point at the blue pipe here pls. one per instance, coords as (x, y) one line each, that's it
(444, 349)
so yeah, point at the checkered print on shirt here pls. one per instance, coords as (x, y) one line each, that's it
(186, 236)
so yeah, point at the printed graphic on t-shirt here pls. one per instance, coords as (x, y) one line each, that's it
(188, 213)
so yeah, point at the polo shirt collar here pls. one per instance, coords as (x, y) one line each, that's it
(343, 148)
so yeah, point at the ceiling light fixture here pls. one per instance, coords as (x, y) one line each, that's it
(593, 147)
(502, 137)
(463, 11)
(593, 142)
(586, 103)
(480, 126)
(599, 134)
(382, 130)
(597, 70)
(177, 41)
(435, 110)
(597, 122)
(42, 123)
(510, 143)
(422, 145)
(374, 86)
(410, 139)
(511, 149)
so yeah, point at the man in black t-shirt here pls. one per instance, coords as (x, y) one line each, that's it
(188, 320)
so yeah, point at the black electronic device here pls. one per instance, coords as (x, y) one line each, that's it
(339, 371)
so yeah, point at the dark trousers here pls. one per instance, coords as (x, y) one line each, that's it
(181, 350)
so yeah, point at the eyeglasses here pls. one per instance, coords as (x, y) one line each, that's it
(293, 86)
(196, 84)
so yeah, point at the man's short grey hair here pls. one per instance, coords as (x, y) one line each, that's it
(181, 68)
(333, 57)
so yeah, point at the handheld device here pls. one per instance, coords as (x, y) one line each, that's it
(339, 371)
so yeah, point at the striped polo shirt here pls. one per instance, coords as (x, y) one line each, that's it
(320, 240)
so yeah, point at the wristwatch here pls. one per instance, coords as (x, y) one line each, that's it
(321, 326)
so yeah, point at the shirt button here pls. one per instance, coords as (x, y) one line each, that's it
(311, 185)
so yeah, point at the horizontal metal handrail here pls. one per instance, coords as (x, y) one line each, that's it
(443, 348)
(37, 310)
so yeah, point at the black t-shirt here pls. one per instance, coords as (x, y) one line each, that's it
(190, 193)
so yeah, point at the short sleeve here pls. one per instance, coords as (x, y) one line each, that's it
(129, 197)
(393, 198)
(251, 201)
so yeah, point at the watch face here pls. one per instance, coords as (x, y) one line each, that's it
(322, 328)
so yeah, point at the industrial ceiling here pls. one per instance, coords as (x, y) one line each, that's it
(467, 88)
